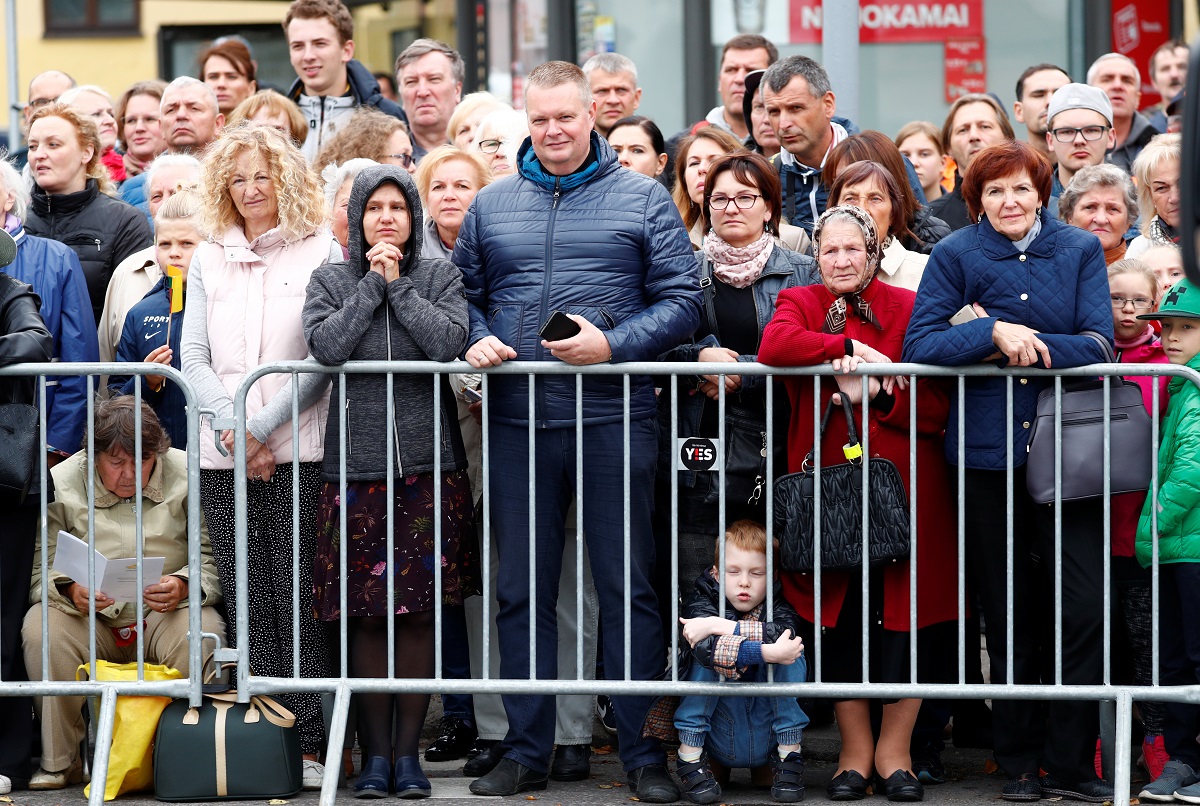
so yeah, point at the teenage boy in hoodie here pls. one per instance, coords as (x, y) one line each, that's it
(329, 84)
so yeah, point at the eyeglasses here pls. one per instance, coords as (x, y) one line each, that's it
(1139, 303)
(490, 146)
(743, 201)
(406, 160)
(1090, 133)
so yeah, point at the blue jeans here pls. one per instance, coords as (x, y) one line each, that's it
(531, 718)
(741, 731)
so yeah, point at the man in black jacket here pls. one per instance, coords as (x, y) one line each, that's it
(329, 84)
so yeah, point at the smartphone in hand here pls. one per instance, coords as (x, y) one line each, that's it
(558, 327)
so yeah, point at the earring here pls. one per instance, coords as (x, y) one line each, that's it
(979, 219)
(1039, 211)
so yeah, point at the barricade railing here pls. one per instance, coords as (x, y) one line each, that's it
(619, 681)
(108, 690)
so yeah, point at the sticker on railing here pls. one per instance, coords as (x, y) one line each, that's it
(698, 453)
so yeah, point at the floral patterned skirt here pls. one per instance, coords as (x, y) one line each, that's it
(412, 554)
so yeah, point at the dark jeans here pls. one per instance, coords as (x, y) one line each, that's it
(456, 662)
(18, 538)
(1059, 736)
(531, 718)
(1179, 658)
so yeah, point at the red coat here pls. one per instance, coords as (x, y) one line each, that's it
(794, 338)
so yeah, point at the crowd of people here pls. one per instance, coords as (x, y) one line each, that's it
(213, 226)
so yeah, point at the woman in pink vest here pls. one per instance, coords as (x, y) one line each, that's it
(266, 223)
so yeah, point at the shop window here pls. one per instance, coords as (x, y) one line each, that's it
(92, 18)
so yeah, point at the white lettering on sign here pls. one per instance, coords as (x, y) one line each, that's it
(895, 16)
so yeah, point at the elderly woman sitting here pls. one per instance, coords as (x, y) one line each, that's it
(163, 472)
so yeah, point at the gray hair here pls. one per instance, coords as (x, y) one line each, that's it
(425, 46)
(611, 63)
(11, 181)
(1161, 148)
(336, 176)
(1104, 175)
(168, 160)
(70, 95)
(780, 74)
(1095, 68)
(188, 81)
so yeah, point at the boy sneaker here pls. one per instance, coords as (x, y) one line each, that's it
(1189, 794)
(604, 713)
(699, 783)
(1154, 755)
(1176, 775)
(788, 785)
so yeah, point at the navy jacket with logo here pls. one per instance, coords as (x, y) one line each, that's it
(146, 330)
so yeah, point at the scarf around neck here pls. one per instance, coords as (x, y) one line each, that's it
(738, 266)
(1138, 340)
(1160, 232)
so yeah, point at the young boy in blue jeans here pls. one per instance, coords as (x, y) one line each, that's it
(749, 731)
(1178, 546)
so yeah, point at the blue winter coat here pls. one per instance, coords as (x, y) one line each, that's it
(605, 243)
(57, 278)
(1058, 287)
(145, 330)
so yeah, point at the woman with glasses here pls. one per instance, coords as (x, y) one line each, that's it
(1025, 290)
(1102, 200)
(1156, 173)
(373, 135)
(267, 228)
(138, 127)
(742, 270)
(498, 136)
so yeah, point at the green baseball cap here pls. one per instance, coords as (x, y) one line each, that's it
(1182, 301)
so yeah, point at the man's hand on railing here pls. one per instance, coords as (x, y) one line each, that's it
(79, 597)
(785, 650)
(588, 346)
(166, 594)
(489, 352)
(709, 383)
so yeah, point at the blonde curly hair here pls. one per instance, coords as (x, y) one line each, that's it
(301, 205)
(86, 134)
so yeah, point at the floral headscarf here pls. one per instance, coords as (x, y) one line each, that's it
(835, 318)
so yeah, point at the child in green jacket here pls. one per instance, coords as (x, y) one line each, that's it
(1178, 522)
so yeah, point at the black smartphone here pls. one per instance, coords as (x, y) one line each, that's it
(558, 327)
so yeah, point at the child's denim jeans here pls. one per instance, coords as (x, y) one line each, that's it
(742, 731)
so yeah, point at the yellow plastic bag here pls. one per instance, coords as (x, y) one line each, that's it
(131, 759)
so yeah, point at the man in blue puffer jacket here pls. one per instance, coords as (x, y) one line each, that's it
(574, 232)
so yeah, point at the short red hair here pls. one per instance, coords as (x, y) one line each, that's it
(1005, 159)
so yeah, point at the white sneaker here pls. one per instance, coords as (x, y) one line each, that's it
(313, 773)
(5, 785)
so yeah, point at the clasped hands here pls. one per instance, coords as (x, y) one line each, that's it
(783, 650)
(161, 597)
(852, 387)
(260, 461)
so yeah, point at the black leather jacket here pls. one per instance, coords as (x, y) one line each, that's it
(23, 339)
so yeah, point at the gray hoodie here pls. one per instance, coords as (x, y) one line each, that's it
(351, 314)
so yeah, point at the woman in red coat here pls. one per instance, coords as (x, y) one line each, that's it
(847, 320)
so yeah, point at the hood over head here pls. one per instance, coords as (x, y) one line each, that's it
(365, 184)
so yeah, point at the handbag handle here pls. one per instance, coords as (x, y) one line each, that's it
(852, 449)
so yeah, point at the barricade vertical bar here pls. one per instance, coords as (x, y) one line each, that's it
(721, 581)
(195, 648)
(337, 741)
(1058, 648)
(390, 496)
(240, 549)
(1107, 531)
(866, 529)
(912, 527)
(91, 488)
(343, 596)
(1121, 751)
(296, 525)
(485, 541)
(437, 532)
(532, 440)
(817, 536)
(43, 504)
(579, 544)
(1155, 588)
(769, 438)
(674, 529)
(627, 511)
(104, 732)
(962, 531)
(139, 546)
(1008, 536)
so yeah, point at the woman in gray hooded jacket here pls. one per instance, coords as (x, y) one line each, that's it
(386, 303)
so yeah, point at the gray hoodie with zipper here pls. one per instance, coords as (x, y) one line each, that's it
(351, 314)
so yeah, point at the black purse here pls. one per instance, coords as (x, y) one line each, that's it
(841, 510)
(746, 454)
(18, 450)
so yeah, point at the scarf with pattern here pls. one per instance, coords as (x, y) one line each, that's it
(738, 266)
(835, 317)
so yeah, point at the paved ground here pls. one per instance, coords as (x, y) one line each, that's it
(969, 782)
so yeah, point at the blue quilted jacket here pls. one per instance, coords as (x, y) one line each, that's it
(1059, 287)
(604, 243)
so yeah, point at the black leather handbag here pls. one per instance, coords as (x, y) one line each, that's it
(18, 450)
(1131, 448)
(841, 510)
(226, 750)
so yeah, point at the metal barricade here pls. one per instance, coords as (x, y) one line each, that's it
(1120, 695)
(108, 691)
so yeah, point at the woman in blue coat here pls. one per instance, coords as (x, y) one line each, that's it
(1034, 293)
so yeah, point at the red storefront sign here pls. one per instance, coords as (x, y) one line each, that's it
(1138, 28)
(891, 22)
(966, 67)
